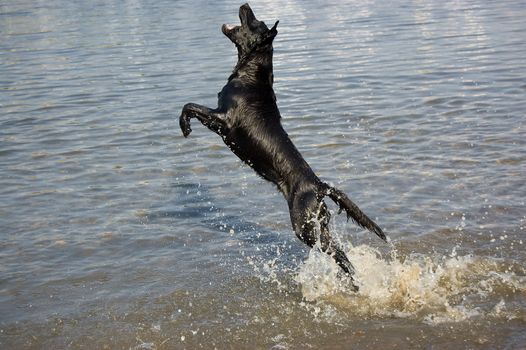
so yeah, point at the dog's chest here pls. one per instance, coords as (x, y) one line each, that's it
(253, 151)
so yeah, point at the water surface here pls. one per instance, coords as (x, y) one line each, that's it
(116, 232)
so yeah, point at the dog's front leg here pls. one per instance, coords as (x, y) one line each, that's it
(210, 118)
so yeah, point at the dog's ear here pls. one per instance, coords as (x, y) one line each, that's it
(273, 31)
(268, 37)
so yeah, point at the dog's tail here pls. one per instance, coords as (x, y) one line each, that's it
(352, 210)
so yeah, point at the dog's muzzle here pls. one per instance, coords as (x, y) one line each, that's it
(227, 28)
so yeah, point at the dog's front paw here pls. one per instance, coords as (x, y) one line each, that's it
(184, 123)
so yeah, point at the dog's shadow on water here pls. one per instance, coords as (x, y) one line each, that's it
(194, 207)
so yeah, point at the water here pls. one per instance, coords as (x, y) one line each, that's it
(116, 232)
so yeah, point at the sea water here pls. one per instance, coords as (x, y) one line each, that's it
(117, 232)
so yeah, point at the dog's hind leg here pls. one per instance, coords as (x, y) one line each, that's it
(210, 118)
(328, 245)
(306, 212)
(303, 215)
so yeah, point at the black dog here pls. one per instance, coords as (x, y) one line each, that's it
(248, 120)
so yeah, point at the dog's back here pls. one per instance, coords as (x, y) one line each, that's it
(254, 131)
(269, 151)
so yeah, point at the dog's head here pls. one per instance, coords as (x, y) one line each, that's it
(251, 34)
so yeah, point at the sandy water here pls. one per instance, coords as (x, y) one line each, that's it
(118, 233)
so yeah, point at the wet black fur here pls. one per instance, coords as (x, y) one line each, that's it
(248, 120)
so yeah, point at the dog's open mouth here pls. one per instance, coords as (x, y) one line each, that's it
(246, 16)
(228, 27)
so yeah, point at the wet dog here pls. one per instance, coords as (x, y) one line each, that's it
(248, 120)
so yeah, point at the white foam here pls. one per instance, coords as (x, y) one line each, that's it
(429, 288)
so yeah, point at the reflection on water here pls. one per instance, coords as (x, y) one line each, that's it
(118, 233)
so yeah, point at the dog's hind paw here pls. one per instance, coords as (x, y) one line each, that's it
(348, 281)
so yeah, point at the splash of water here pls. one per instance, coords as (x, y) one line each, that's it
(433, 289)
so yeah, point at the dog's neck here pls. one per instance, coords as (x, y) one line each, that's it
(255, 68)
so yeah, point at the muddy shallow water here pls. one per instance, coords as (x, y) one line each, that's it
(116, 232)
